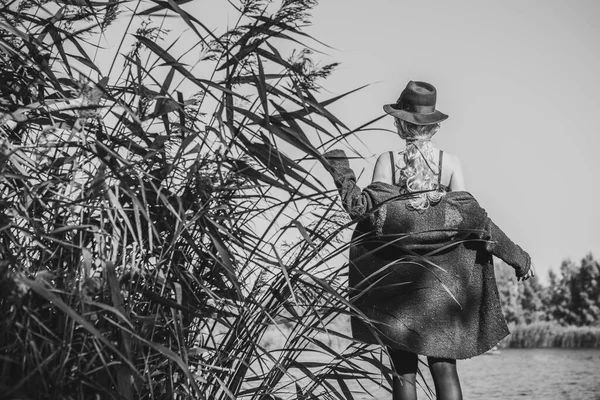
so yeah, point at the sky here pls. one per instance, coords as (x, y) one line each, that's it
(519, 80)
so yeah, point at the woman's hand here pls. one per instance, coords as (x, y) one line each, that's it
(529, 274)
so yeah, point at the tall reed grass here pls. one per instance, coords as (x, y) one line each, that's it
(153, 199)
(551, 334)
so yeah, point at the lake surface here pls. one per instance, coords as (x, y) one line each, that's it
(566, 374)
(520, 374)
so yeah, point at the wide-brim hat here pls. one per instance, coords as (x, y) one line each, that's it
(416, 105)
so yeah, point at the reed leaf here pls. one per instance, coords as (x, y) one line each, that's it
(155, 228)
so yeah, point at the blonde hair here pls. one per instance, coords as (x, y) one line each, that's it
(419, 175)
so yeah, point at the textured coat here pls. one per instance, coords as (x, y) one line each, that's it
(424, 281)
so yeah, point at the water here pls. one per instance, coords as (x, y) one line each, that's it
(534, 374)
(528, 374)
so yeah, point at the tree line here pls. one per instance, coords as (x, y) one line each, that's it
(571, 297)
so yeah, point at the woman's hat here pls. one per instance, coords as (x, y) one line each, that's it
(416, 105)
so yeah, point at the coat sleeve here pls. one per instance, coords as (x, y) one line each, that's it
(502, 247)
(354, 201)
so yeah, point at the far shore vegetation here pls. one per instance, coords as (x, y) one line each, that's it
(563, 313)
(550, 334)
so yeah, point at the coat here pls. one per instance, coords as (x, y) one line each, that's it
(423, 281)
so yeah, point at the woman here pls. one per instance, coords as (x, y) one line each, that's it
(421, 269)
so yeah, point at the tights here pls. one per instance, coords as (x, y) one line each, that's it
(443, 371)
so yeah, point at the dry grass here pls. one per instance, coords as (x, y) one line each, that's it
(550, 334)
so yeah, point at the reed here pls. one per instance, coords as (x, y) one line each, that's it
(551, 334)
(154, 200)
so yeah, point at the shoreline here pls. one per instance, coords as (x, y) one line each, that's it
(551, 335)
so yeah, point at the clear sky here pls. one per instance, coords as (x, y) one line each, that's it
(520, 81)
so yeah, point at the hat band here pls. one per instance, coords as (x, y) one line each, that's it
(419, 109)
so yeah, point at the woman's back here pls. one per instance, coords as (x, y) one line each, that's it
(390, 164)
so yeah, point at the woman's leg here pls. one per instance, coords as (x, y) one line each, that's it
(445, 378)
(405, 364)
